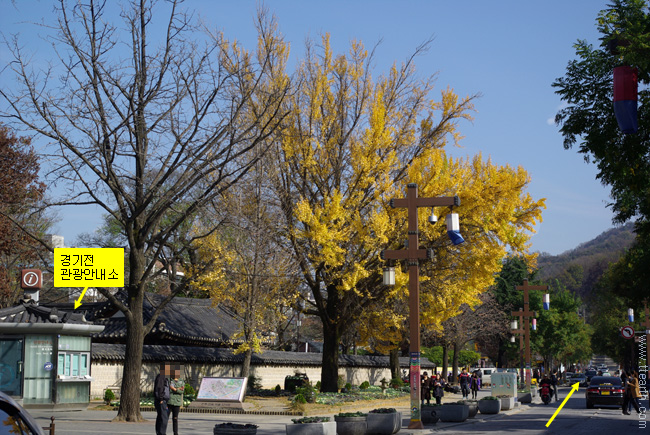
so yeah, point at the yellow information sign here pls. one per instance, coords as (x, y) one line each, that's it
(88, 267)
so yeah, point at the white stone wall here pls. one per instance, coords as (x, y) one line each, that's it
(109, 375)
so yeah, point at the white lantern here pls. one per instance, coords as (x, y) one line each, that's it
(513, 324)
(512, 339)
(547, 301)
(389, 275)
(534, 324)
(453, 229)
(630, 314)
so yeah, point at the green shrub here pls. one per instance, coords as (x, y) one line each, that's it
(254, 383)
(396, 383)
(383, 411)
(278, 389)
(364, 385)
(340, 382)
(318, 386)
(189, 390)
(108, 396)
(299, 398)
(307, 420)
(351, 414)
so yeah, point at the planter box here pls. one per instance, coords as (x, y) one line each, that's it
(328, 428)
(524, 398)
(384, 423)
(507, 403)
(234, 429)
(351, 425)
(453, 412)
(473, 407)
(428, 415)
(489, 406)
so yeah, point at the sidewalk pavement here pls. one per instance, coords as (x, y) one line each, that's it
(92, 422)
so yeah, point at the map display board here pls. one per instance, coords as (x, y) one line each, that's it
(222, 389)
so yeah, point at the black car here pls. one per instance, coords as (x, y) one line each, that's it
(604, 390)
(590, 374)
(14, 419)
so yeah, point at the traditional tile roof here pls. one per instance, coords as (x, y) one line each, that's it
(30, 312)
(184, 321)
(104, 352)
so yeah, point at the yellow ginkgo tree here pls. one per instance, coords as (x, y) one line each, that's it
(349, 145)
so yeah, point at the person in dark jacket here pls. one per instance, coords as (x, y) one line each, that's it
(438, 386)
(161, 397)
(464, 381)
(425, 388)
(554, 383)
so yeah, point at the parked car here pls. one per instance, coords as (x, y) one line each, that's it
(604, 390)
(14, 419)
(581, 378)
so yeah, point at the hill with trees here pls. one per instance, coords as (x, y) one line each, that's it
(580, 268)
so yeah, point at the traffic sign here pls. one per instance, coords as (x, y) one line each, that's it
(627, 332)
(31, 279)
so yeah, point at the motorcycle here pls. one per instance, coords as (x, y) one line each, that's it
(545, 394)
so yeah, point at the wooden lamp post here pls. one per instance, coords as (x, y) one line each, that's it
(526, 315)
(413, 255)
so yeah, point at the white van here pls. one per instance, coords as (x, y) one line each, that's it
(486, 374)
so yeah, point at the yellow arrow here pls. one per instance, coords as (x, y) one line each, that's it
(574, 388)
(77, 303)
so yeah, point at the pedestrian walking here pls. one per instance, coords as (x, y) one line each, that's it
(475, 385)
(161, 398)
(633, 392)
(438, 388)
(554, 380)
(464, 381)
(177, 388)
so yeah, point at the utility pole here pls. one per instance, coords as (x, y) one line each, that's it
(526, 316)
(413, 254)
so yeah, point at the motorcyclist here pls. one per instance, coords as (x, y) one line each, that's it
(545, 382)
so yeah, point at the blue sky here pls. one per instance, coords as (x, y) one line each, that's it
(508, 51)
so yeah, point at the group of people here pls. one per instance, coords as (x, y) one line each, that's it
(435, 386)
(631, 393)
(168, 397)
(432, 385)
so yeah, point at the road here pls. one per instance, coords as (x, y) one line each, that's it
(574, 418)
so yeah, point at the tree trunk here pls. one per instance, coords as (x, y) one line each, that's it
(330, 371)
(131, 374)
(445, 361)
(394, 363)
(246, 365)
(455, 362)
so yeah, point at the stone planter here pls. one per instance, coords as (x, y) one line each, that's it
(387, 423)
(507, 403)
(473, 407)
(235, 429)
(524, 398)
(428, 415)
(453, 412)
(489, 406)
(351, 425)
(327, 428)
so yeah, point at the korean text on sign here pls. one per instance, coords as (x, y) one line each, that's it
(96, 267)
